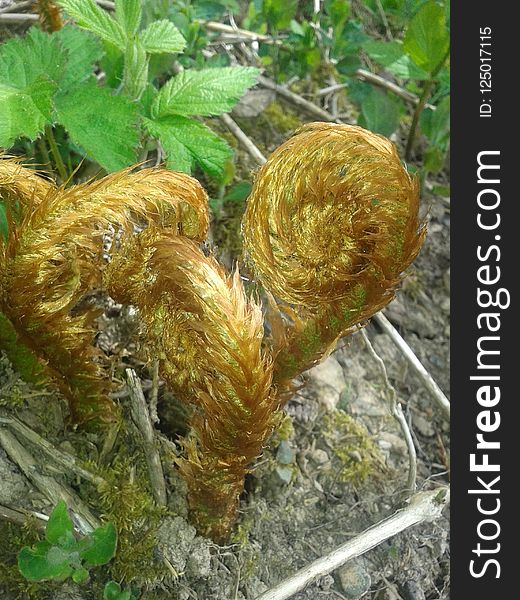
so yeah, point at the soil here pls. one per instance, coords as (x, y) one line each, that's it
(337, 466)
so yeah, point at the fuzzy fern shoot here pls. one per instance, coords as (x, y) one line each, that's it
(330, 226)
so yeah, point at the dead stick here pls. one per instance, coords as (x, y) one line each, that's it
(141, 418)
(425, 506)
(63, 459)
(310, 107)
(427, 380)
(48, 486)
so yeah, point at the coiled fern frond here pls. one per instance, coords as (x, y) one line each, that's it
(54, 255)
(330, 227)
(208, 335)
(331, 224)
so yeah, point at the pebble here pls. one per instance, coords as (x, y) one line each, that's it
(328, 380)
(354, 579)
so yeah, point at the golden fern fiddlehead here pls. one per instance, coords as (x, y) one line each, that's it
(54, 255)
(208, 335)
(330, 225)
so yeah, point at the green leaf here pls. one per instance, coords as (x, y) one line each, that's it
(83, 51)
(113, 591)
(427, 38)
(128, 15)
(30, 68)
(135, 73)
(207, 92)
(25, 112)
(162, 36)
(435, 124)
(59, 525)
(147, 99)
(35, 564)
(278, 13)
(392, 56)
(80, 575)
(239, 192)
(101, 545)
(90, 16)
(24, 60)
(187, 142)
(103, 124)
(380, 113)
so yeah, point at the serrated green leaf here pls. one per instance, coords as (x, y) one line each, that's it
(128, 15)
(162, 36)
(24, 60)
(102, 547)
(187, 142)
(30, 68)
(25, 113)
(380, 113)
(207, 92)
(58, 525)
(89, 15)
(104, 125)
(84, 49)
(35, 564)
(427, 38)
(135, 73)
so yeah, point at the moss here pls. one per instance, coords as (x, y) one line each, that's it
(281, 117)
(285, 430)
(126, 501)
(353, 447)
(14, 537)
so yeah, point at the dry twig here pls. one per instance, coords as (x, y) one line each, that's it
(54, 491)
(397, 412)
(428, 381)
(141, 418)
(423, 507)
(63, 459)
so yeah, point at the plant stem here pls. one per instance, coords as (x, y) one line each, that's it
(417, 113)
(420, 106)
(51, 140)
(42, 147)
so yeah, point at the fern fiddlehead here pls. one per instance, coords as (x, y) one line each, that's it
(331, 224)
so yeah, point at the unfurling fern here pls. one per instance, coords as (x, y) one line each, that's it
(330, 226)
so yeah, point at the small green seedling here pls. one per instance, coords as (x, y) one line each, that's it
(61, 555)
(113, 591)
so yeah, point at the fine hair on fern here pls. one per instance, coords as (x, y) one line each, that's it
(330, 226)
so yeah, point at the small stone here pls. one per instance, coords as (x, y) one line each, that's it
(328, 380)
(198, 564)
(284, 473)
(412, 590)
(392, 443)
(285, 454)
(354, 579)
(319, 457)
